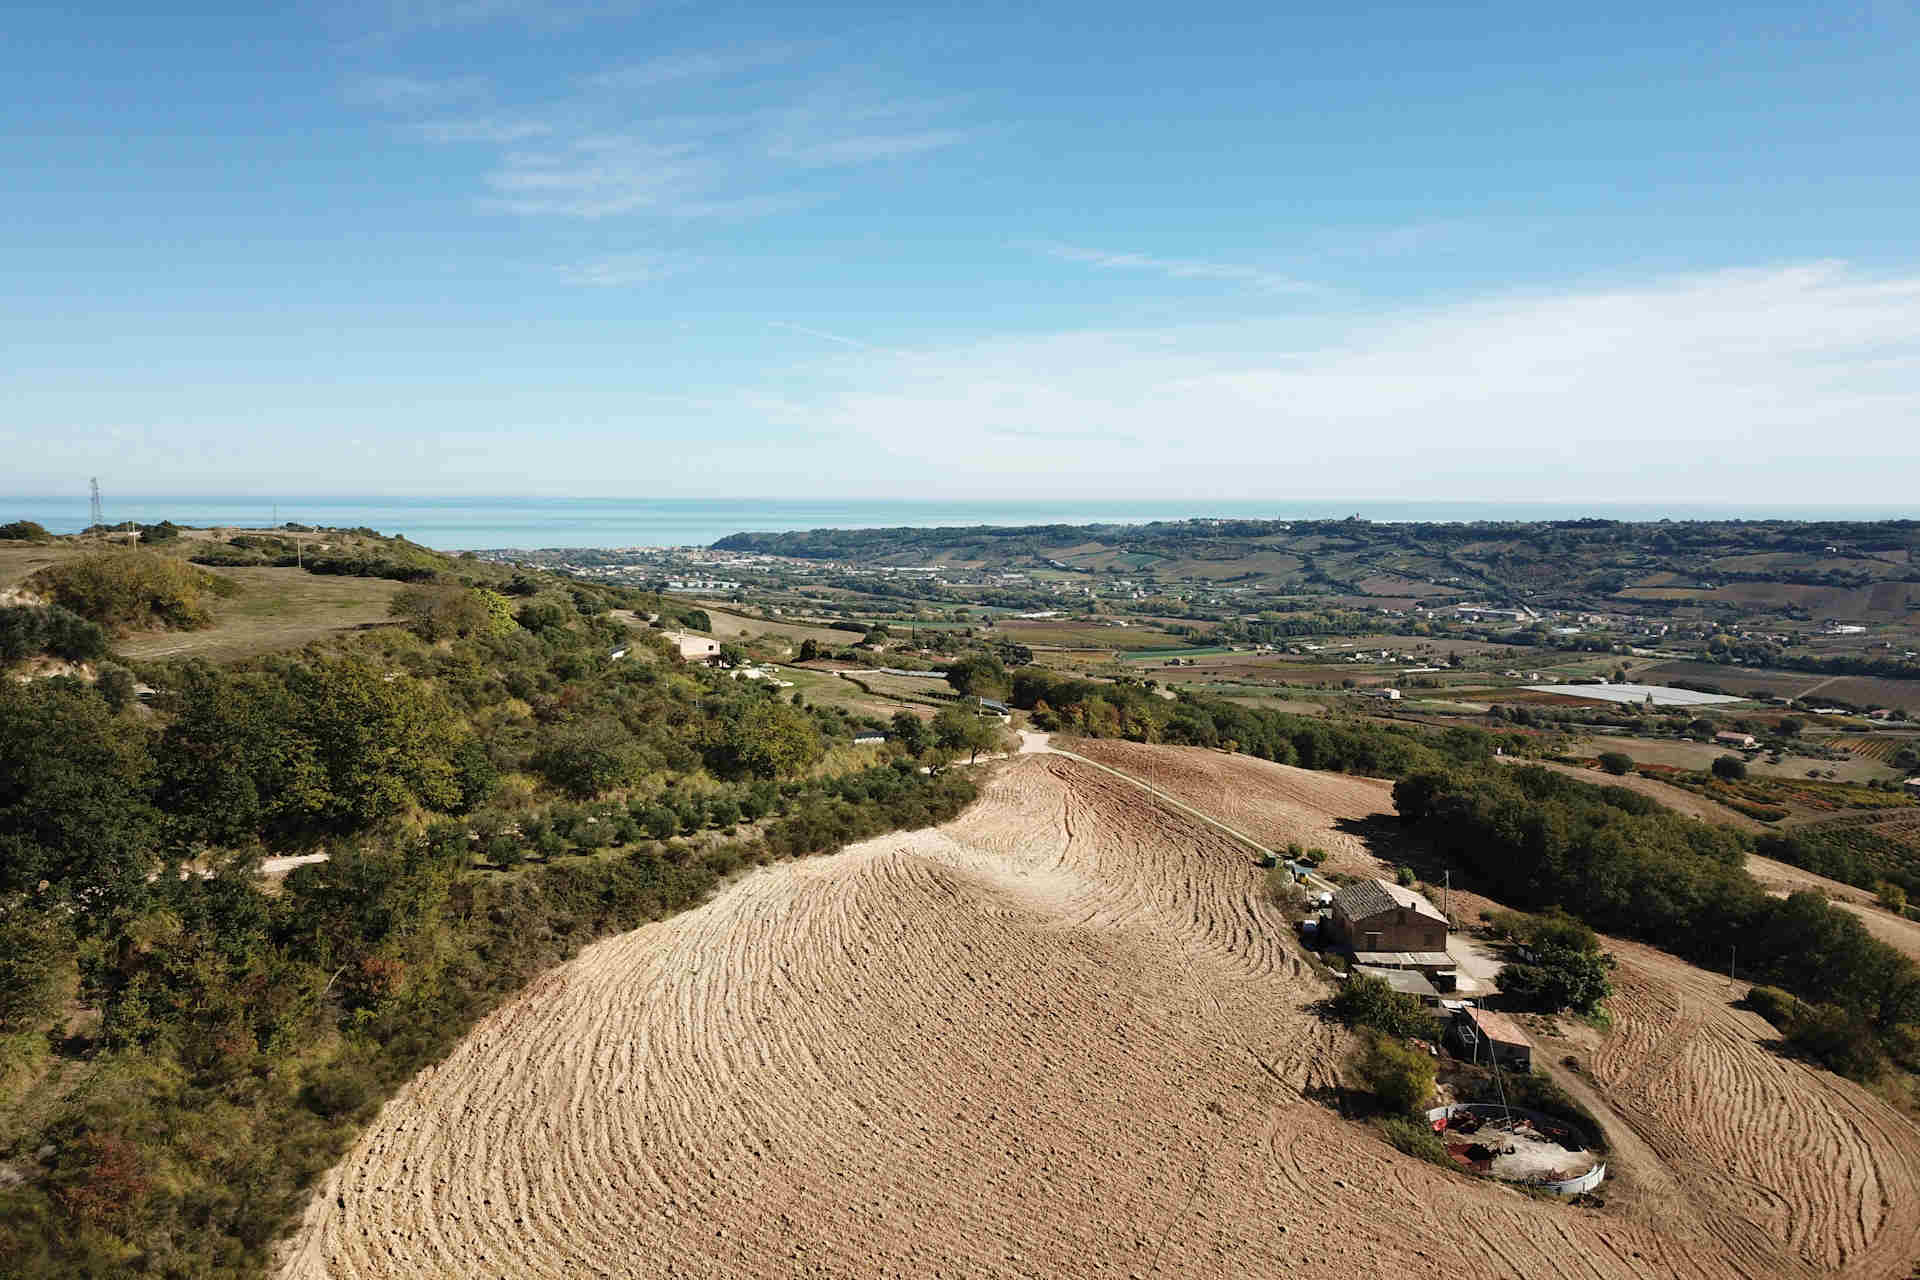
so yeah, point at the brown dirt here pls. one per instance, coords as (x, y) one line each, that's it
(1060, 1036)
(1276, 804)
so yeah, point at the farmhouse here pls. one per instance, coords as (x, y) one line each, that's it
(1745, 741)
(1391, 695)
(1480, 1032)
(694, 647)
(1380, 916)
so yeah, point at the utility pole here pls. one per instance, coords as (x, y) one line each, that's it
(98, 520)
(1446, 897)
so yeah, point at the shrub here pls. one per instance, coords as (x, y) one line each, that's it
(1370, 1002)
(1403, 876)
(1731, 768)
(23, 531)
(1618, 763)
(1416, 1138)
(131, 589)
(1776, 1006)
(1838, 1039)
(1560, 978)
(1399, 1077)
(30, 630)
(115, 686)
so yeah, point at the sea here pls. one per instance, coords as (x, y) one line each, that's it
(532, 523)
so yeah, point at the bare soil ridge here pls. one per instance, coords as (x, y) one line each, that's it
(1062, 1035)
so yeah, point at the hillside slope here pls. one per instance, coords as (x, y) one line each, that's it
(1060, 1035)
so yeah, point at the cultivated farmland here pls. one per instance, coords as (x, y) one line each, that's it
(1063, 1035)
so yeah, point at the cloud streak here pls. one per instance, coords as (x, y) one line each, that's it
(1181, 268)
(633, 141)
(1805, 377)
(626, 270)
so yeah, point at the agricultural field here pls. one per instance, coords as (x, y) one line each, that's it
(1861, 691)
(1067, 635)
(1880, 747)
(1701, 755)
(1066, 1035)
(825, 689)
(731, 626)
(1881, 602)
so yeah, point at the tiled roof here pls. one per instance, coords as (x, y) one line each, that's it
(1371, 897)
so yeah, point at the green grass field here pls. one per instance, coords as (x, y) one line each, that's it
(273, 609)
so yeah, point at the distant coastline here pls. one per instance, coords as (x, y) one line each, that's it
(490, 523)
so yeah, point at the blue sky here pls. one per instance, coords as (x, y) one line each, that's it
(992, 250)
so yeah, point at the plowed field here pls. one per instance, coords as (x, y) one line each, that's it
(1060, 1036)
(1276, 804)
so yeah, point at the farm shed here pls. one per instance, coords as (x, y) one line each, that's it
(1378, 915)
(1745, 741)
(1480, 1032)
(1406, 981)
(869, 737)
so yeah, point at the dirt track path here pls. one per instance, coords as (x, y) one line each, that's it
(1060, 1036)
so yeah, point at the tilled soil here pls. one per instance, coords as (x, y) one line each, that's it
(1060, 1036)
(1275, 804)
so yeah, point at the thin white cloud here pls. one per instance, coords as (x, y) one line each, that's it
(412, 93)
(490, 129)
(625, 270)
(841, 339)
(1775, 384)
(1181, 268)
(401, 17)
(702, 64)
(636, 141)
(867, 148)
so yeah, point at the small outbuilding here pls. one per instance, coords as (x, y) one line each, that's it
(1409, 982)
(1744, 741)
(1481, 1034)
(869, 738)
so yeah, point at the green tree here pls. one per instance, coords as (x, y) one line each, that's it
(910, 731)
(958, 729)
(1560, 978)
(809, 649)
(1618, 763)
(1891, 896)
(978, 675)
(74, 808)
(443, 612)
(24, 531)
(1370, 1002)
(1731, 768)
(588, 758)
(115, 686)
(1398, 1076)
(35, 951)
(775, 740)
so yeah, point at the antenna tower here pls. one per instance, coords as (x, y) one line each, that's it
(98, 519)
